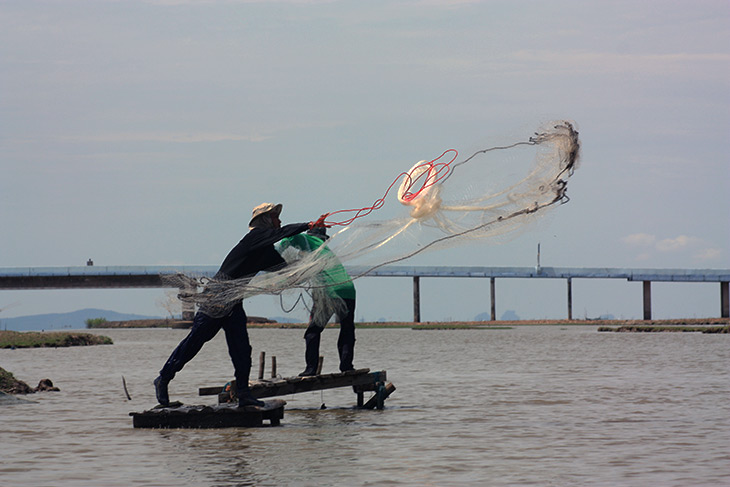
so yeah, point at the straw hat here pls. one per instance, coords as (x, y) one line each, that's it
(264, 208)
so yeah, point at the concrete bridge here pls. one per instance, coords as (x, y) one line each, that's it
(96, 277)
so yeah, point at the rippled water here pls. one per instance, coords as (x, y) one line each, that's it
(527, 406)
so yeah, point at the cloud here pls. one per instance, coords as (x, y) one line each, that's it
(678, 243)
(174, 3)
(687, 65)
(675, 244)
(166, 137)
(639, 240)
(647, 245)
(643, 256)
(708, 254)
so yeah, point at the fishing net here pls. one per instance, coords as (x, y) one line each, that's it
(492, 194)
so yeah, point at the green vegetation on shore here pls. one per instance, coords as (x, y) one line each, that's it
(34, 339)
(667, 328)
(8, 382)
(458, 326)
(95, 322)
(150, 323)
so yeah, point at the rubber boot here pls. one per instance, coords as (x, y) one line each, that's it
(245, 398)
(346, 353)
(161, 391)
(309, 371)
(311, 354)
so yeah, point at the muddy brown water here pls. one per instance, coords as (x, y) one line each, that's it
(537, 405)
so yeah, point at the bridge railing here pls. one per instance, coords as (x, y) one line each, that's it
(15, 278)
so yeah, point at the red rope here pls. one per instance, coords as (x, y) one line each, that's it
(436, 172)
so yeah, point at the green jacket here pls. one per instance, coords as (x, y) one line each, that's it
(340, 283)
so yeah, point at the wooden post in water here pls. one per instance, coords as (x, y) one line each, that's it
(724, 300)
(492, 295)
(381, 393)
(320, 363)
(647, 300)
(570, 298)
(416, 299)
(262, 364)
(273, 366)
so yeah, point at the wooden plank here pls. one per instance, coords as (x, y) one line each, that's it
(362, 378)
(379, 398)
(296, 385)
(210, 390)
(353, 375)
(217, 416)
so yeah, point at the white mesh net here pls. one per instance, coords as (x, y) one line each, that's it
(491, 194)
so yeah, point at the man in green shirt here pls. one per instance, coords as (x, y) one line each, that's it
(332, 294)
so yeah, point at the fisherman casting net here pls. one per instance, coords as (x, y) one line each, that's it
(488, 195)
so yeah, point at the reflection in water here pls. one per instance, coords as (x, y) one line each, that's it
(527, 406)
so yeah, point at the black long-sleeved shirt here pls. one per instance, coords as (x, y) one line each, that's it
(255, 252)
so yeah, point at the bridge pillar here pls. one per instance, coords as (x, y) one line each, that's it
(492, 296)
(724, 300)
(647, 300)
(416, 299)
(570, 298)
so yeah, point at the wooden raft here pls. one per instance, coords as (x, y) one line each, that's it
(217, 416)
(361, 380)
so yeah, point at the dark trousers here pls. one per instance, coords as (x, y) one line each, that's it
(204, 329)
(345, 342)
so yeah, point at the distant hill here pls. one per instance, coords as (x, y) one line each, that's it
(508, 315)
(75, 320)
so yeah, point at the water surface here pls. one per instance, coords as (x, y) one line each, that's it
(563, 406)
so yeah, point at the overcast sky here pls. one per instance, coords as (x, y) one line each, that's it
(143, 132)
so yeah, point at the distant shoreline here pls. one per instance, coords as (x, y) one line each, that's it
(258, 322)
(50, 339)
